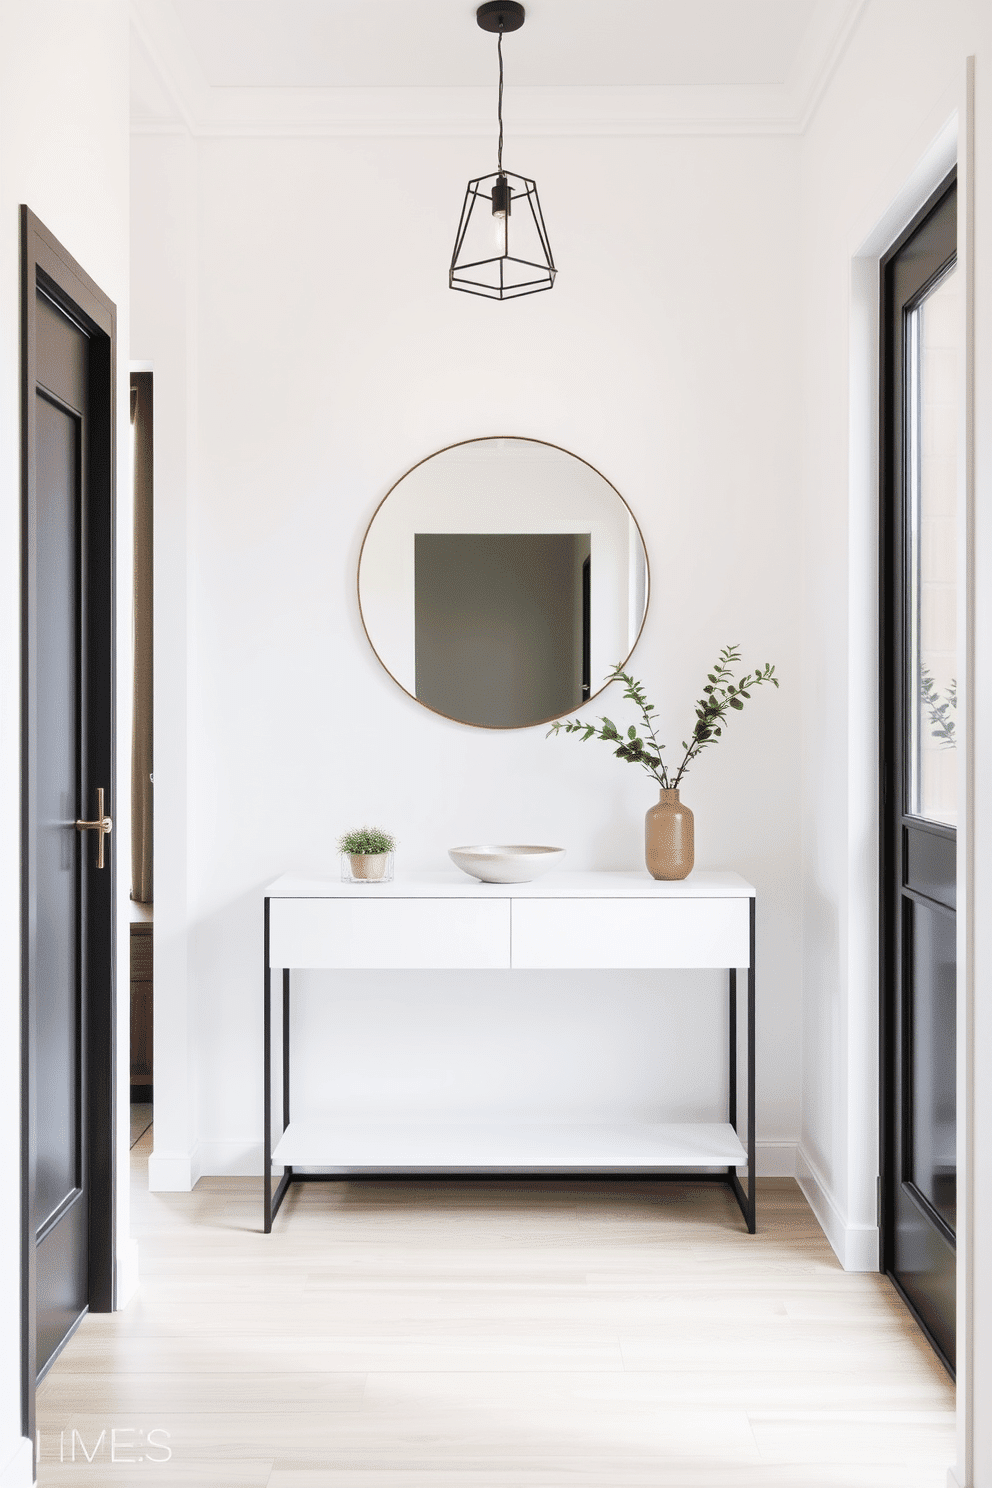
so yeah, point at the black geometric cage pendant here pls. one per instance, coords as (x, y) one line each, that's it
(502, 249)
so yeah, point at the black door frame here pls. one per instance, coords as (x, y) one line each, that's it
(891, 589)
(46, 265)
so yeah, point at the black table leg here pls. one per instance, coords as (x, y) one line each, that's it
(746, 1199)
(267, 1086)
(285, 1055)
(732, 1075)
(270, 1200)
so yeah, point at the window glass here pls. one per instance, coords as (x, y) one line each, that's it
(933, 349)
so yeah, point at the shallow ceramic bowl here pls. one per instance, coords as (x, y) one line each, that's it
(504, 865)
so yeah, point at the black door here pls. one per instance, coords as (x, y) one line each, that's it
(68, 864)
(921, 319)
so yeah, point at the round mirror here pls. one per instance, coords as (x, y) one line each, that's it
(501, 580)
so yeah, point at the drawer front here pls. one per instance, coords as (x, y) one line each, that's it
(389, 934)
(574, 934)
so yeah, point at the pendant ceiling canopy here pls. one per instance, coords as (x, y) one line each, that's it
(501, 249)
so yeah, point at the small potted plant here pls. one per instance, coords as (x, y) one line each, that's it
(367, 855)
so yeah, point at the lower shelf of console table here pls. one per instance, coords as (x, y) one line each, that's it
(546, 1147)
(445, 921)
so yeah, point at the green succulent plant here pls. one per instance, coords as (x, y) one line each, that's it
(722, 693)
(366, 841)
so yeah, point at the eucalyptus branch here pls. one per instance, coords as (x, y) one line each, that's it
(631, 748)
(720, 694)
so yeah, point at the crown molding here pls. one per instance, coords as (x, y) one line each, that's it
(820, 57)
(179, 99)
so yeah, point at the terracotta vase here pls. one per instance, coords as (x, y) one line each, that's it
(370, 866)
(668, 838)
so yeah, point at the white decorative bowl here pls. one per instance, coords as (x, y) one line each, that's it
(504, 865)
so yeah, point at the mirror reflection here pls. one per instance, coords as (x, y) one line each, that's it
(498, 578)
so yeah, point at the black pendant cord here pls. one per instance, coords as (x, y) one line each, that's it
(499, 49)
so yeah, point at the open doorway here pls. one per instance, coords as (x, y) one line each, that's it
(142, 763)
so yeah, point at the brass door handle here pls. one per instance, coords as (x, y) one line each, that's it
(103, 825)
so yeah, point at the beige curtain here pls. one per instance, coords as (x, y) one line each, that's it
(141, 734)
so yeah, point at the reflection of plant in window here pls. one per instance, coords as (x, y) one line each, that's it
(942, 710)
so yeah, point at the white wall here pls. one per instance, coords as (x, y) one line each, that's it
(64, 152)
(329, 356)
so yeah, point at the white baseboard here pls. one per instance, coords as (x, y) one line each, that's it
(172, 1172)
(775, 1159)
(243, 1159)
(855, 1246)
(19, 1471)
(229, 1158)
(127, 1273)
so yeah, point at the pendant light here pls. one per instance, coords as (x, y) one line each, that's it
(502, 248)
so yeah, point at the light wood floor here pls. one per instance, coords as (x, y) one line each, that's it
(441, 1335)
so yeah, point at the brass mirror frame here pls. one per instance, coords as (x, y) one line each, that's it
(482, 439)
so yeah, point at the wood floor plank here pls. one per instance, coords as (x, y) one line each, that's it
(508, 1334)
(572, 1472)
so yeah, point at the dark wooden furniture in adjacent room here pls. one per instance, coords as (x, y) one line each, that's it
(142, 942)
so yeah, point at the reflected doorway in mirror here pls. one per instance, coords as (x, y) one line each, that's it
(502, 624)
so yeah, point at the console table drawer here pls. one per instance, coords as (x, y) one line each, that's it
(630, 933)
(389, 934)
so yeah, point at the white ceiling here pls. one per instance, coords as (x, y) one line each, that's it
(437, 43)
(387, 66)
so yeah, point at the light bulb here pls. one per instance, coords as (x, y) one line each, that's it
(501, 211)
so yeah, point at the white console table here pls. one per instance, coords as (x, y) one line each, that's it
(563, 921)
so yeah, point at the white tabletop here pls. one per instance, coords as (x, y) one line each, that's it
(700, 884)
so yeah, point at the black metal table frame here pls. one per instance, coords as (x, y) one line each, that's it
(744, 1196)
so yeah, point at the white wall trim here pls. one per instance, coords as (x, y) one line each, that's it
(19, 1471)
(776, 1159)
(816, 84)
(566, 126)
(936, 162)
(465, 113)
(127, 1273)
(229, 1158)
(820, 1200)
(173, 1172)
(452, 112)
(855, 1246)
